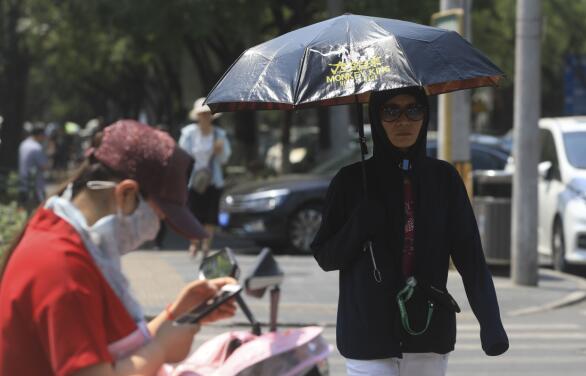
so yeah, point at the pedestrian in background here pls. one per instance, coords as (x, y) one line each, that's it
(395, 316)
(65, 306)
(209, 146)
(158, 241)
(32, 163)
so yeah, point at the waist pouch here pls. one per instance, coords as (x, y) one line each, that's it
(426, 321)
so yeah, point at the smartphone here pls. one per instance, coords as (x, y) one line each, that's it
(219, 264)
(225, 293)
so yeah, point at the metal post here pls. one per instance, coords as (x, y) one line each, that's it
(454, 111)
(526, 138)
(275, 296)
(256, 330)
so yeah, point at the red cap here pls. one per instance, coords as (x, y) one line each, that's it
(161, 168)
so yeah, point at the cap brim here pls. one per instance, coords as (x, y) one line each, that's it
(182, 220)
(193, 115)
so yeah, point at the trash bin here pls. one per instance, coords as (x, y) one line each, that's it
(492, 207)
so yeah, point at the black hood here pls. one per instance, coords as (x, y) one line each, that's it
(386, 180)
(387, 156)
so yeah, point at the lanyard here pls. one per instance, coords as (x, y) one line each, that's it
(402, 297)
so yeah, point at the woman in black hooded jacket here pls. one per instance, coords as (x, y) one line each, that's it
(417, 214)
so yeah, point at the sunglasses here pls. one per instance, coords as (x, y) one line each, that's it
(414, 112)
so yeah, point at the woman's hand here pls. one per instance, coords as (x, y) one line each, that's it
(218, 147)
(198, 292)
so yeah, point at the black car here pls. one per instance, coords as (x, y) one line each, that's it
(285, 212)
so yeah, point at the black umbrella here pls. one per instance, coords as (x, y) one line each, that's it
(342, 59)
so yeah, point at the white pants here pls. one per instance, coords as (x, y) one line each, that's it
(412, 364)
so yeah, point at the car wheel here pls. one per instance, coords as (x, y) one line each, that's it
(303, 226)
(558, 247)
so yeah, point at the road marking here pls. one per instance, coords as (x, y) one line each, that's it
(521, 326)
(571, 298)
(515, 360)
(537, 335)
(563, 346)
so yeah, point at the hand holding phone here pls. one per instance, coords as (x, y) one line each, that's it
(195, 316)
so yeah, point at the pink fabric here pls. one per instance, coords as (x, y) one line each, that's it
(309, 362)
(211, 355)
(268, 345)
(212, 358)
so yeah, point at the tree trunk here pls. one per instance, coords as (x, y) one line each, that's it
(13, 83)
(13, 98)
(286, 142)
(246, 135)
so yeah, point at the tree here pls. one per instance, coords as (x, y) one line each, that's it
(562, 34)
(15, 62)
(72, 60)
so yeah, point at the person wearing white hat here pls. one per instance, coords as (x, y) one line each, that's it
(210, 148)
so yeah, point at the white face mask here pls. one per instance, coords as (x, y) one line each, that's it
(119, 233)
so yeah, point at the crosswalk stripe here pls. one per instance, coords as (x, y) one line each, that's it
(511, 360)
(513, 327)
(515, 346)
(532, 335)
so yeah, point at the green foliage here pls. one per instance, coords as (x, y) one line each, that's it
(413, 11)
(563, 29)
(12, 219)
(493, 32)
(118, 57)
(8, 187)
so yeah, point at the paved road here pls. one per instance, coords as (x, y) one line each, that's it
(551, 342)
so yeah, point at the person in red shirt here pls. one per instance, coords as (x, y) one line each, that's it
(65, 306)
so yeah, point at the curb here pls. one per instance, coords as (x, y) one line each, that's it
(572, 298)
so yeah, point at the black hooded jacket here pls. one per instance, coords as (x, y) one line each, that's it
(444, 226)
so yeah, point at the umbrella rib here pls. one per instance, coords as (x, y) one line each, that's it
(448, 64)
(258, 79)
(302, 65)
(350, 49)
(302, 70)
(398, 41)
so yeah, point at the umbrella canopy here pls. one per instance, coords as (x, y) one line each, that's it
(341, 60)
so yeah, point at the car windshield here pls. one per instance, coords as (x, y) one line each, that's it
(575, 144)
(333, 165)
(484, 157)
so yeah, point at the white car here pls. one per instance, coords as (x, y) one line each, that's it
(562, 191)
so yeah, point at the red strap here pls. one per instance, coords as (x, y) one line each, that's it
(409, 231)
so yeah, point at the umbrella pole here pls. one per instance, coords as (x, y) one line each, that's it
(363, 153)
(363, 147)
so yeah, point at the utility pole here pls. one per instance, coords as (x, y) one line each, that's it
(339, 117)
(526, 138)
(454, 108)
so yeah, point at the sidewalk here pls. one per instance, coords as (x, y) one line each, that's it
(309, 295)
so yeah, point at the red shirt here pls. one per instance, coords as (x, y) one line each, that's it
(409, 238)
(57, 312)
